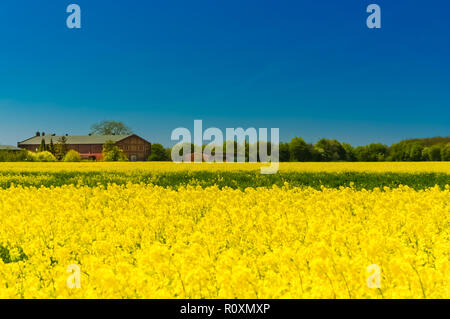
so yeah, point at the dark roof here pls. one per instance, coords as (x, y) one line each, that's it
(75, 140)
(9, 148)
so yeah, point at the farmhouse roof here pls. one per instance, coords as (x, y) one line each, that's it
(75, 140)
(9, 148)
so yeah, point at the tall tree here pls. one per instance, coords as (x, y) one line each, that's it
(445, 152)
(284, 152)
(42, 147)
(61, 148)
(432, 153)
(350, 155)
(51, 147)
(110, 128)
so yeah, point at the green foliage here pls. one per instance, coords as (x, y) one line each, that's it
(432, 153)
(350, 154)
(51, 147)
(41, 157)
(42, 147)
(14, 156)
(113, 153)
(445, 152)
(26, 156)
(72, 156)
(297, 150)
(427, 149)
(158, 153)
(233, 179)
(5, 255)
(300, 151)
(284, 153)
(371, 153)
(330, 150)
(415, 153)
(110, 128)
(61, 148)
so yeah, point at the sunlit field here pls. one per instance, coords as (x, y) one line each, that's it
(165, 230)
(374, 167)
(234, 175)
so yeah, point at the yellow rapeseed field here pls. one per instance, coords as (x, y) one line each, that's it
(145, 241)
(375, 167)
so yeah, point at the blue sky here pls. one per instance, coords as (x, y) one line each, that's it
(311, 68)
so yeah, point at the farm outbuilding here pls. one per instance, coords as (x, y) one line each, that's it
(9, 148)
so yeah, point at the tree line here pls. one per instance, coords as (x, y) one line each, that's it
(297, 150)
(331, 150)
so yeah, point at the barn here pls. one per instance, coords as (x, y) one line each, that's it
(9, 148)
(91, 146)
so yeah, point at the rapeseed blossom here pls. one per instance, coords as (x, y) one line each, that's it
(158, 167)
(145, 241)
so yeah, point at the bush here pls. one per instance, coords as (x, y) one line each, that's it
(42, 157)
(113, 153)
(72, 156)
(13, 156)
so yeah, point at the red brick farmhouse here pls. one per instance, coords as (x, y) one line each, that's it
(90, 146)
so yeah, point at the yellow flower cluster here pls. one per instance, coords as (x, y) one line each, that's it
(144, 241)
(375, 167)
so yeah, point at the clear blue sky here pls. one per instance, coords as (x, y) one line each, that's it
(311, 68)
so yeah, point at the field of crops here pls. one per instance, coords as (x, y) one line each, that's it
(145, 230)
(234, 175)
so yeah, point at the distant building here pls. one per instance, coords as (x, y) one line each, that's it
(91, 146)
(9, 148)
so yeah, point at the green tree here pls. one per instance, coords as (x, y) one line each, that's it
(445, 152)
(42, 147)
(432, 153)
(350, 155)
(113, 153)
(330, 150)
(415, 152)
(375, 152)
(378, 151)
(61, 148)
(284, 152)
(299, 150)
(158, 154)
(110, 128)
(51, 147)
